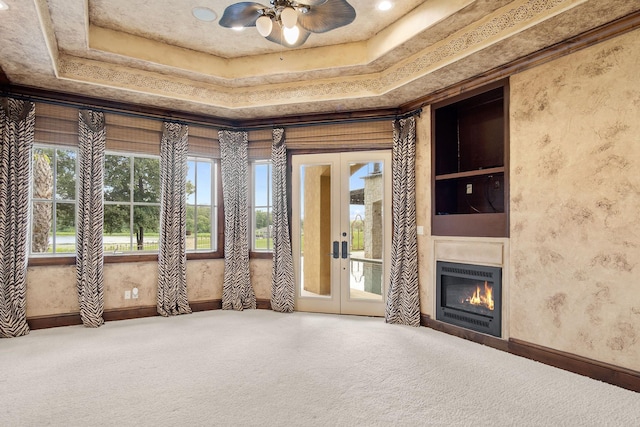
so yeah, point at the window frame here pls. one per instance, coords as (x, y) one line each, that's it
(54, 202)
(50, 259)
(254, 252)
(215, 204)
(131, 203)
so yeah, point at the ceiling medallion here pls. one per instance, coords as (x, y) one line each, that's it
(289, 23)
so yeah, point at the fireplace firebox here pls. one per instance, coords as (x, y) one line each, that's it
(469, 296)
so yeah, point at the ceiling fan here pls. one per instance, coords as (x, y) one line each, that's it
(287, 22)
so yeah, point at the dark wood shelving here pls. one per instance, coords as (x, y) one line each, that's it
(470, 163)
(467, 174)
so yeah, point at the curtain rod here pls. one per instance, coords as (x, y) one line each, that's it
(54, 101)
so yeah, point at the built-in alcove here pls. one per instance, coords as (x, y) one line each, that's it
(470, 164)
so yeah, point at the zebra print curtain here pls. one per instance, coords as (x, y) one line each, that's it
(283, 285)
(17, 124)
(403, 303)
(172, 255)
(237, 293)
(92, 137)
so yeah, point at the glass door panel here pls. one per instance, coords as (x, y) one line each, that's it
(366, 237)
(341, 231)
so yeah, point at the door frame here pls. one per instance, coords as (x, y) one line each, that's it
(340, 300)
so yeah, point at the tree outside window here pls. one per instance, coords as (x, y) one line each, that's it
(131, 203)
(53, 203)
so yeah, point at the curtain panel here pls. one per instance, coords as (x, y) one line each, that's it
(237, 293)
(17, 124)
(283, 285)
(403, 303)
(89, 250)
(172, 255)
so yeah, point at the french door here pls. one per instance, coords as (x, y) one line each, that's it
(341, 231)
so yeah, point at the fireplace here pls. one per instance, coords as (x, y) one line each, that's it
(469, 296)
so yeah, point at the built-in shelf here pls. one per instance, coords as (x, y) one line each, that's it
(470, 163)
(466, 174)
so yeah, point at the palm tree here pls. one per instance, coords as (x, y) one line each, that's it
(42, 212)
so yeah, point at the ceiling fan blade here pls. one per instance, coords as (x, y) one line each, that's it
(328, 16)
(312, 2)
(243, 14)
(276, 37)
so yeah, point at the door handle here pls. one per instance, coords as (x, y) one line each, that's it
(345, 254)
(336, 250)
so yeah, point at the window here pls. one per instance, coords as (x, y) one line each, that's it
(131, 203)
(261, 212)
(53, 203)
(202, 205)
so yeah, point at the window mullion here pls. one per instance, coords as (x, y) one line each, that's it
(131, 200)
(195, 206)
(54, 216)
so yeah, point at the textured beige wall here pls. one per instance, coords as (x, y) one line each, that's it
(571, 263)
(261, 277)
(52, 290)
(423, 211)
(575, 199)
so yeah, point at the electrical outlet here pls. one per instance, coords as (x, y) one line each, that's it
(469, 188)
(134, 293)
(127, 294)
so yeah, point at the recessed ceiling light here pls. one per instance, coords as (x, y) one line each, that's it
(3, 5)
(203, 13)
(237, 28)
(385, 5)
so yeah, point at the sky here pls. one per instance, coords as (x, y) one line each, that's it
(202, 176)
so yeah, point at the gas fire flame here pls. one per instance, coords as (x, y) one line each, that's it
(485, 299)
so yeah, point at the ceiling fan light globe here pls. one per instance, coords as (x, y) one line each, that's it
(291, 35)
(289, 17)
(264, 25)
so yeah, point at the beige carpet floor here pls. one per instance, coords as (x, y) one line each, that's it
(261, 368)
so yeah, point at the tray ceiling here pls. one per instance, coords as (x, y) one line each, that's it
(156, 53)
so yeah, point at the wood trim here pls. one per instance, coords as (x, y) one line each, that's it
(4, 80)
(54, 321)
(215, 304)
(601, 371)
(72, 319)
(566, 47)
(467, 174)
(129, 313)
(113, 259)
(471, 225)
(621, 377)
(51, 261)
(260, 255)
(263, 304)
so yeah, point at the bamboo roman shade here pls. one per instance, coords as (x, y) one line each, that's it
(129, 134)
(260, 144)
(372, 135)
(56, 125)
(203, 141)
